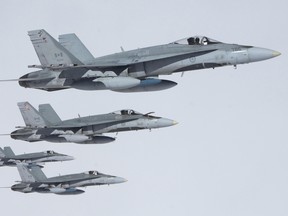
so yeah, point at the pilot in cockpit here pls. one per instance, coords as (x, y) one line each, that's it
(205, 41)
(191, 41)
(93, 173)
(127, 112)
(196, 40)
(124, 112)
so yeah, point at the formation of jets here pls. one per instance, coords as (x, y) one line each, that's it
(46, 125)
(34, 180)
(67, 63)
(8, 158)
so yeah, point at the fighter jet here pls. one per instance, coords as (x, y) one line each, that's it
(8, 158)
(35, 180)
(69, 64)
(46, 125)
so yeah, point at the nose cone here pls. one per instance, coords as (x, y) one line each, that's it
(164, 122)
(118, 180)
(260, 54)
(67, 158)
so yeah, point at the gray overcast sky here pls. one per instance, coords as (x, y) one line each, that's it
(228, 154)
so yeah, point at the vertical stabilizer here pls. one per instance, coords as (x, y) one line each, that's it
(48, 113)
(2, 153)
(74, 45)
(38, 173)
(8, 152)
(31, 116)
(25, 174)
(49, 51)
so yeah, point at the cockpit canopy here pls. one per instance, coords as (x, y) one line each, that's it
(196, 40)
(127, 112)
(92, 172)
(50, 152)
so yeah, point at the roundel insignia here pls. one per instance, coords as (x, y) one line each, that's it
(192, 59)
(26, 105)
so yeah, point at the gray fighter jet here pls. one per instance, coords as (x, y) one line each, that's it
(34, 180)
(69, 64)
(46, 125)
(8, 158)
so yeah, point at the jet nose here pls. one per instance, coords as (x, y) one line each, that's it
(260, 54)
(67, 157)
(119, 180)
(164, 122)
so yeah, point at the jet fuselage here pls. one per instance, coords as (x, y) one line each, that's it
(132, 71)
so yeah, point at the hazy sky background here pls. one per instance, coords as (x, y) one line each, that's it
(228, 154)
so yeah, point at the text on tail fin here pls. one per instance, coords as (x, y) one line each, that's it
(30, 115)
(25, 174)
(50, 51)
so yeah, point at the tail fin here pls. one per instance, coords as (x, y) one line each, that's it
(8, 152)
(25, 174)
(38, 173)
(49, 51)
(31, 116)
(2, 153)
(74, 45)
(49, 113)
